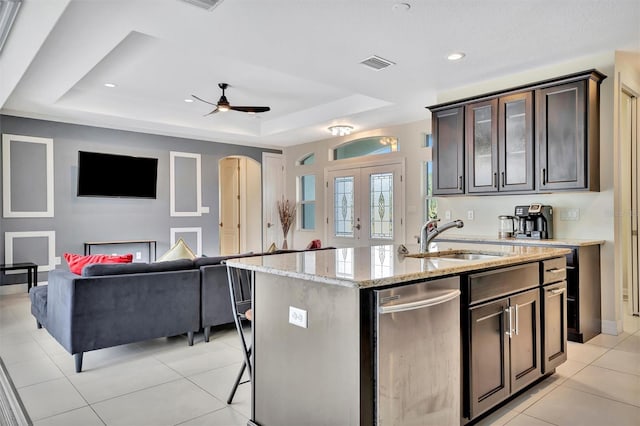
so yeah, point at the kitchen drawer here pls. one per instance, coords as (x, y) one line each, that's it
(554, 270)
(501, 282)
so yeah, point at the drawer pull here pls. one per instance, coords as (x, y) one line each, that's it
(556, 270)
(555, 291)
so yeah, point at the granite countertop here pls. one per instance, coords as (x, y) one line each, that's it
(367, 267)
(520, 241)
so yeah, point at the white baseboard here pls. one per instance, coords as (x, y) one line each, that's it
(611, 327)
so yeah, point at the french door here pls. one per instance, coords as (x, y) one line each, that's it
(364, 206)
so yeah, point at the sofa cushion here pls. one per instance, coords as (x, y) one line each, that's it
(136, 268)
(77, 261)
(180, 250)
(216, 260)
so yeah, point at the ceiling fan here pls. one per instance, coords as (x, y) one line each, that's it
(223, 104)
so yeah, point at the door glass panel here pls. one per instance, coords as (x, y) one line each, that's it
(483, 174)
(381, 206)
(343, 206)
(562, 150)
(382, 261)
(344, 263)
(516, 143)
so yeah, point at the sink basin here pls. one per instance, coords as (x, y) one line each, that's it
(469, 256)
(461, 255)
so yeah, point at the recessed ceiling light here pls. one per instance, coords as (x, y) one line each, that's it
(188, 100)
(455, 56)
(109, 85)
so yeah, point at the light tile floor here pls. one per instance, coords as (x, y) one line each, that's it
(166, 382)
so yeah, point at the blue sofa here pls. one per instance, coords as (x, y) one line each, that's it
(115, 304)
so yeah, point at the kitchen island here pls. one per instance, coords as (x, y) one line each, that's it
(317, 333)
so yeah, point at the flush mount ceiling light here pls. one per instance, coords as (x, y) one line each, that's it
(340, 130)
(455, 56)
(401, 7)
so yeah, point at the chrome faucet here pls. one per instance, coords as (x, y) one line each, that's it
(430, 230)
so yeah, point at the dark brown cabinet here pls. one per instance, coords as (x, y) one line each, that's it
(507, 142)
(505, 342)
(501, 346)
(448, 151)
(553, 294)
(568, 142)
(499, 144)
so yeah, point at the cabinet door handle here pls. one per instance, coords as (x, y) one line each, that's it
(556, 291)
(460, 183)
(502, 179)
(508, 312)
(494, 182)
(543, 178)
(517, 315)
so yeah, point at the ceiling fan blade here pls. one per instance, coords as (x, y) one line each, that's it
(202, 100)
(215, 110)
(254, 109)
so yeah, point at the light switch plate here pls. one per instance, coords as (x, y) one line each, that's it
(297, 317)
(204, 209)
(570, 214)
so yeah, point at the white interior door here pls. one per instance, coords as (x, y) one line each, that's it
(229, 206)
(365, 206)
(629, 135)
(272, 190)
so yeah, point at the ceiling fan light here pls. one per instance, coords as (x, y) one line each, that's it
(340, 130)
(223, 108)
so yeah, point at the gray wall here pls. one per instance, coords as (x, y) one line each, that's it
(80, 219)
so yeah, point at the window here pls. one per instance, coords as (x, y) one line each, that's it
(308, 202)
(428, 141)
(431, 204)
(309, 159)
(366, 146)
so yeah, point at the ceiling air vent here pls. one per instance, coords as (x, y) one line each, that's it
(204, 4)
(377, 63)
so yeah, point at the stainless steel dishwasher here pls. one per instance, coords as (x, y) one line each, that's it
(418, 354)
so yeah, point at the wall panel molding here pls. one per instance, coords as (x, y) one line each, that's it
(10, 237)
(8, 187)
(194, 230)
(173, 185)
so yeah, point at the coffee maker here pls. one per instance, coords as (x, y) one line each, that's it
(534, 221)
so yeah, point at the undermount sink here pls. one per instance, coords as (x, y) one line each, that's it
(461, 255)
(469, 256)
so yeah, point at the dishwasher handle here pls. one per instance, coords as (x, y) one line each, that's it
(418, 304)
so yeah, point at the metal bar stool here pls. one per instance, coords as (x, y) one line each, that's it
(240, 286)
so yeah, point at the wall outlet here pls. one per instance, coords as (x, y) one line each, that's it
(297, 317)
(469, 214)
(204, 209)
(138, 255)
(57, 260)
(447, 214)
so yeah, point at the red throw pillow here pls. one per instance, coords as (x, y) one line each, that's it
(77, 261)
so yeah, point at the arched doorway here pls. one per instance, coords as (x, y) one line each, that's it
(240, 205)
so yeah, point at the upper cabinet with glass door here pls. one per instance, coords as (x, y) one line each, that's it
(511, 148)
(499, 140)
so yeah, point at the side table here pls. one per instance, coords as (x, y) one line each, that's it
(30, 267)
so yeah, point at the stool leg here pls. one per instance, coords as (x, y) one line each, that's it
(237, 382)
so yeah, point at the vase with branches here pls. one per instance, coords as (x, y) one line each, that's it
(287, 213)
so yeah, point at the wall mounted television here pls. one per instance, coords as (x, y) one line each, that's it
(112, 175)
